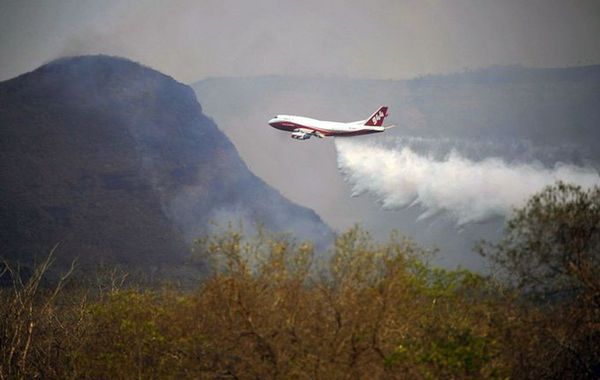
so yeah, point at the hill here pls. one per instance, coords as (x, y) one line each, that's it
(118, 163)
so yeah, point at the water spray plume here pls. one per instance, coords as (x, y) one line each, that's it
(469, 191)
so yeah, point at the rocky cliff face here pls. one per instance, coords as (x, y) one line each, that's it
(118, 163)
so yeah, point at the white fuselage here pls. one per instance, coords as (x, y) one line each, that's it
(325, 128)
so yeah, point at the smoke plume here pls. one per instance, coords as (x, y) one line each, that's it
(468, 190)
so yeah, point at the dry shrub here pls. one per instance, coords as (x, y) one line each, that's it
(36, 326)
(271, 309)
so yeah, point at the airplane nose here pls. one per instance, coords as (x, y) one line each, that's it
(272, 121)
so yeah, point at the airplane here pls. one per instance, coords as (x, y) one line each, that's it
(303, 128)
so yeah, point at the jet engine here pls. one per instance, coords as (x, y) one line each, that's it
(298, 135)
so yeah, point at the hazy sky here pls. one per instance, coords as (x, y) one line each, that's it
(191, 40)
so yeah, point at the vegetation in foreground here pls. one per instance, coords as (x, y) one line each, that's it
(268, 309)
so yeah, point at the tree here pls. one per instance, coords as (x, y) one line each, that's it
(552, 245)
(551, 252)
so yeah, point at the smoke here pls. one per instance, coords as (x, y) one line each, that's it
(468, 190)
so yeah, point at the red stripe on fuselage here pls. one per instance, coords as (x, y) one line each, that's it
(290, 126)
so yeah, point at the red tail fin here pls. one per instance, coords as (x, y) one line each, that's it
(376, 120)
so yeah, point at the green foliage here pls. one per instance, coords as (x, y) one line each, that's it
(145, 334)
(448, 352)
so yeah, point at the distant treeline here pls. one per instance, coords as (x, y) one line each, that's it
(270, 309)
